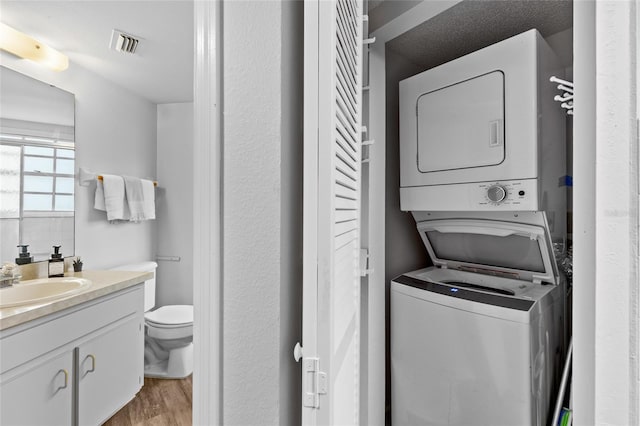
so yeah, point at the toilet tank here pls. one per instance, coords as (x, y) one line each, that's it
(149, 285)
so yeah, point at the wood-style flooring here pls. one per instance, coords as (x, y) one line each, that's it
(160, 402)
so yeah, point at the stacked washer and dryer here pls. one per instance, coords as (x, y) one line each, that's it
(478, 338)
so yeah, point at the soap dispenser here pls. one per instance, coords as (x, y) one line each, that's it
(56, 263)
(24, 257)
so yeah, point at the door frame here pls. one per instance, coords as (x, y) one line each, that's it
(606, 323)
(207, 214)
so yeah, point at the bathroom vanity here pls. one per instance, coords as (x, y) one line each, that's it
(76, 360)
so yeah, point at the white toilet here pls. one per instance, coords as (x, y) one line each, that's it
(168, 348)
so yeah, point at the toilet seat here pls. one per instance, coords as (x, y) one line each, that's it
(166, 326)
(170, 333)
(170, 322)
(170, 316)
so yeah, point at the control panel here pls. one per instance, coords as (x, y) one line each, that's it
(505, 195)
(508, 195)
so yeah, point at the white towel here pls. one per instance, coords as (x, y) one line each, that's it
(114, 198)
(140, 198)
(98, 202)
(135, 198)
(149, 202)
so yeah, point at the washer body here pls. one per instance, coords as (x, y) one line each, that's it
(471, 357)
(478, 339)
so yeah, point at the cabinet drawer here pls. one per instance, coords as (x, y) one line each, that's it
(23, 345)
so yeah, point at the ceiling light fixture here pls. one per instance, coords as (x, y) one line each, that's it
(23, 46)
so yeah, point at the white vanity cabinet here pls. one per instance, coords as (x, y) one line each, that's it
(77, 366)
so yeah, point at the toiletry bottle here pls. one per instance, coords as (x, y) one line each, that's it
(24, 256)
(56, 263)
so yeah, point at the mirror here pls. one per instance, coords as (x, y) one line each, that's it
(37, 164)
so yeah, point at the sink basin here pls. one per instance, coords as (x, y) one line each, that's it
(41, 290)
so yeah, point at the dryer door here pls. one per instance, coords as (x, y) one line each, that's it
(462, 126)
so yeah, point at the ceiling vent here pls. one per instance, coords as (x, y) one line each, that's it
(123, 42)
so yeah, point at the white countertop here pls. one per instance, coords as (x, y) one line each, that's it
(102, 284)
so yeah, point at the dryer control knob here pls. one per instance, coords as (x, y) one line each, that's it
(497, 193)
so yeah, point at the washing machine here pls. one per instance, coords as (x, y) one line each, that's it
(478, 338)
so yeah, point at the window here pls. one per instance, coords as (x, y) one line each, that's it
(10, 159)
(37, 178)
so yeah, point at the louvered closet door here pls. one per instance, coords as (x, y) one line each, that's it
(332, 161)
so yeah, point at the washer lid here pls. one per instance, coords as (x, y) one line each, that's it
(491, 247)
(171, 315)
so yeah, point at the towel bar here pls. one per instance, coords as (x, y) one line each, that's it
(155, 183)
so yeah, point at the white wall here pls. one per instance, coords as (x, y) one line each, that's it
(174, 203)
(115, 133)
(261, 212)
(606, 262)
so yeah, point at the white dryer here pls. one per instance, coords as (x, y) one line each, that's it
(483, 133)
(478, 338)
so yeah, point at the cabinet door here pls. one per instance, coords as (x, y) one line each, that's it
(40, 394)
(110, 370)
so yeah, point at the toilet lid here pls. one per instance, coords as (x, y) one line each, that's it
(171, 315)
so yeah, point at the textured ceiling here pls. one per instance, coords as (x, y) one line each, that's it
(474, 24)
(382, 12)
(372, 4)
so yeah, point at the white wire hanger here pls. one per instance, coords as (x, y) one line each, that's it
(566, 98)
